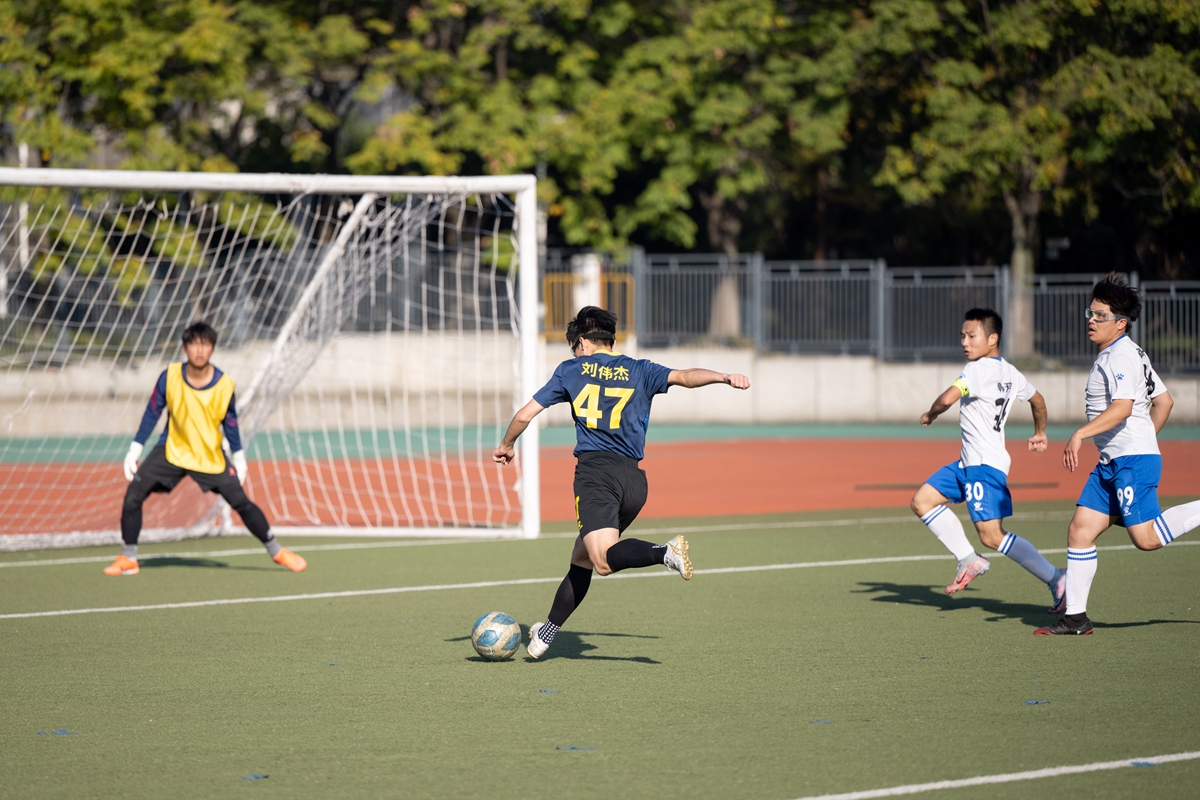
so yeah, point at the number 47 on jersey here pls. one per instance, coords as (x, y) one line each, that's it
(587, 404)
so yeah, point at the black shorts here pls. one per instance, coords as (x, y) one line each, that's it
(610, 490)
(156, 474)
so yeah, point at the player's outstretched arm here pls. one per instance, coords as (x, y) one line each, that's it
(1117, 412)
(505, 452)
(154, 409)
(1038, 442)
(694, 378)
(1160, 409)
(943, 404)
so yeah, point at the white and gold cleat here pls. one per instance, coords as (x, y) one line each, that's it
(536, 647)
(677, 557)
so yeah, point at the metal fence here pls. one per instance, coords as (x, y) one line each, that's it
(896, 314)
(923, 308)
(1170, 325)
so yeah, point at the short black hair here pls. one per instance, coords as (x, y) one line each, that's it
(594, 324)
(1115, 292)
(989, 319)
(200, 330)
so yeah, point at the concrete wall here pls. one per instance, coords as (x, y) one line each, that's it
(383, 380)
(847, 389)
(397, 380)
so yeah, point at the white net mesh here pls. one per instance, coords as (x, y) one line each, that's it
(374, 341)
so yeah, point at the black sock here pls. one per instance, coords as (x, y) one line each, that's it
(1075, 620)
(629, 553)
(570, 594)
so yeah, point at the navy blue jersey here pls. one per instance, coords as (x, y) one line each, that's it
(610, 398)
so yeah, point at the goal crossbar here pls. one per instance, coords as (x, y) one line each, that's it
(272, 182)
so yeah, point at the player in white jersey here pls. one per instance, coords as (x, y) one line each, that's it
(987, 387)
(1127, 405)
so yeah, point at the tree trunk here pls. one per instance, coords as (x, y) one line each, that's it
(724, 227)
(1023, 206)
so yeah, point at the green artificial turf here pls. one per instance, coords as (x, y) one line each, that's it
(771, 684)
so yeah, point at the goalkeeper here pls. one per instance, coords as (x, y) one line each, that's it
(199, 402)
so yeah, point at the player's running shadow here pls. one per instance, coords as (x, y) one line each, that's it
(1143, 623)
(203, 563)
(570, 644)
(936, 597)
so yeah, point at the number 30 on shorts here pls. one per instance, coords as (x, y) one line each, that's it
(974, 491)
(587, 404)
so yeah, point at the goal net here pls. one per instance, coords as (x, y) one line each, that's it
(380, 333)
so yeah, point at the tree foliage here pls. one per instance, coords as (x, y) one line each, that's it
(801, 129)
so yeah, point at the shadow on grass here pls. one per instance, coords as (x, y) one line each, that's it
(935, 597)
(571, 645)
(203, 563)
(1034, 616)
(1143, 623)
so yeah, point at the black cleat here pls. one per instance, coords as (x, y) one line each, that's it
(1064, 627)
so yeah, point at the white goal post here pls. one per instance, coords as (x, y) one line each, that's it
(380, 330)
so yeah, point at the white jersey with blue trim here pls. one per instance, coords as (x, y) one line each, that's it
(989, 385)
(1123, 372)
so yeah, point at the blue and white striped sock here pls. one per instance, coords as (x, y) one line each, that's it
(949, 531)
(1028, 557)
(1176, 521)
(1081, 571)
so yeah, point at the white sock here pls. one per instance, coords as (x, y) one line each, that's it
(949, 531)
(1175, 522)
(1028, 557)
(1081, 570)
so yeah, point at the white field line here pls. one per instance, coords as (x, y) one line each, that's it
(517, 582)
(748, 526)
(452, 586)
(983, 780)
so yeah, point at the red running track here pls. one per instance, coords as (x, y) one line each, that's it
(694, 479)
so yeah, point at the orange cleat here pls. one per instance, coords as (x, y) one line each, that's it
(290, 560)
(122, 566)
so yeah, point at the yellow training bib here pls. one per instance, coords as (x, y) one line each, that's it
(194, 432)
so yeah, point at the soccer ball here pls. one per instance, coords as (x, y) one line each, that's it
(496, 636)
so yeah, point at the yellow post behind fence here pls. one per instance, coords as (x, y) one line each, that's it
(558, 293)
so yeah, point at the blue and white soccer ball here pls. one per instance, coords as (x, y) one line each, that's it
(496, 636)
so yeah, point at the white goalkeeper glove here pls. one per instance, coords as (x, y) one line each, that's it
(240, 466)
(131, 460)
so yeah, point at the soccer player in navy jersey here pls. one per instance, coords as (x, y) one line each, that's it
(610, 397)
(201, 414)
